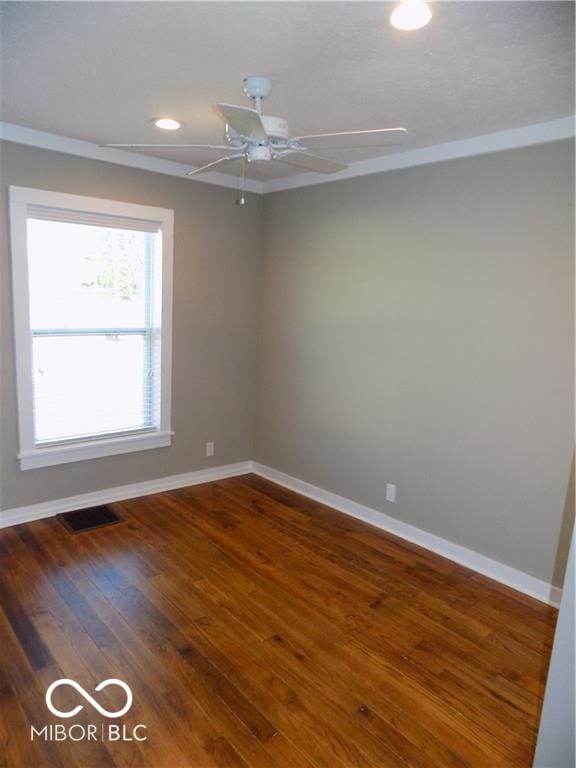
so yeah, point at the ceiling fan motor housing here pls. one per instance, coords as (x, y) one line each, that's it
(258, 152)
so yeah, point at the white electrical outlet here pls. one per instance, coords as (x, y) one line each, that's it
(390, 492)
(209, 449)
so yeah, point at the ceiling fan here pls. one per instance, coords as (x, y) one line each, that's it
(254, 137)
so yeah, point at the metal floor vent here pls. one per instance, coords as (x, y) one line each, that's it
(87, 519)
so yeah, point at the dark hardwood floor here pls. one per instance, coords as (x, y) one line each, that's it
(259, 629)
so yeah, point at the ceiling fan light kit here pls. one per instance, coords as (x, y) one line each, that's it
(253, 137)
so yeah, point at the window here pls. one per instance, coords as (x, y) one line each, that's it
(92, 307)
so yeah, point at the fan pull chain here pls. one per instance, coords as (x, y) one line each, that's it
(241, 200)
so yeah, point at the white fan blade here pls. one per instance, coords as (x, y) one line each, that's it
(310, 162)
(224, 147)
(213, 164)
(246, 122)
(380, 137)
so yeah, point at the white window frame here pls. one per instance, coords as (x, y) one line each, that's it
(31, 454)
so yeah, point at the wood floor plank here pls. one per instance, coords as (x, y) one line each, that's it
(339, 670)
(502, 738)
(30, 641)
(260, 629)
(160, 705)
(13, 749)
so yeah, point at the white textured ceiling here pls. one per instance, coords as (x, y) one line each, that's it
(99, 71)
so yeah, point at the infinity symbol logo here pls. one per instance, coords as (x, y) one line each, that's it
(86, 695)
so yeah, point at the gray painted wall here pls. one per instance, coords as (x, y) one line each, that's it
(555, 747)
(216, 267)
(417, 328)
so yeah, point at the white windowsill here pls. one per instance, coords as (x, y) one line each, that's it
(92, 449)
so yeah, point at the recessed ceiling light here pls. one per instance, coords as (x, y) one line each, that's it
(412, 14)
(167, 123)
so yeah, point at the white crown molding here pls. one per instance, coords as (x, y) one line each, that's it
(33, 138)
(505, 574)
(539, 133)
(32, 512)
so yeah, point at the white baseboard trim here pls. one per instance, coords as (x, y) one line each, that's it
(120, 493)
(504, 574)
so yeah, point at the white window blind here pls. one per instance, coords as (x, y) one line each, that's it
(68, 216)
(95, 296)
